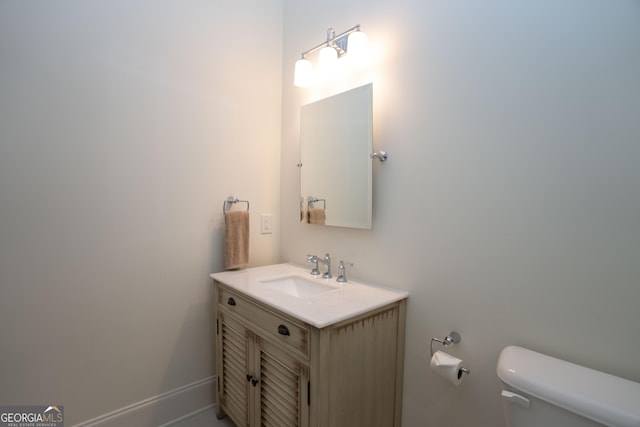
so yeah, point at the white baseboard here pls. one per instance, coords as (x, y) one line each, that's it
(162, 409)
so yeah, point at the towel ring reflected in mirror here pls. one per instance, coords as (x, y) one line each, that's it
(312, 200)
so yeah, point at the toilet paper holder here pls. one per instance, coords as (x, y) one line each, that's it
(452, 338)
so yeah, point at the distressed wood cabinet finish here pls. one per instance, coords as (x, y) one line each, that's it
(275, 370)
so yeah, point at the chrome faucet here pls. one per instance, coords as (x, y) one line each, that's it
(327, 267)
(314, 258)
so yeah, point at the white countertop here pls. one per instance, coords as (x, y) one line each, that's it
(346, 300)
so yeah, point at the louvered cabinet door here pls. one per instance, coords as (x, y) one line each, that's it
(233, 389)
(284, 389)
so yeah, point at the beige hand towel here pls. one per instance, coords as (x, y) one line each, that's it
(316, 216)
(236, 239)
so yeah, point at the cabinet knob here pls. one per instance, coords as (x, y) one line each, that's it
(283, 330)
(252, 380)
(231, 301)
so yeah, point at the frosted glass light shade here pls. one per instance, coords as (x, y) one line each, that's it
(327, 61)
(357, 45)
(303, 73)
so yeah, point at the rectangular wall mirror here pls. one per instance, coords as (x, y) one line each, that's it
(336, 135)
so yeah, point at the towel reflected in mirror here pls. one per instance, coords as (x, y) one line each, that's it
(316, 216)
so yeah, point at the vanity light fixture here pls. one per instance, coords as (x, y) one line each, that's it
(353, 40)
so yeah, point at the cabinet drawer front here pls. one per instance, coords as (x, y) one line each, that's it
(283, 329)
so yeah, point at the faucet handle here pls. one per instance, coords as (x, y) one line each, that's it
(314, 258)
(342, 275)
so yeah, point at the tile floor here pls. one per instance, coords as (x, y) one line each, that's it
(204, 419)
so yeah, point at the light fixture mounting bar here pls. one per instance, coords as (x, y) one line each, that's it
(334, 41)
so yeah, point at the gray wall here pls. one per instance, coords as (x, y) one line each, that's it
(510, 204)
(123, 127)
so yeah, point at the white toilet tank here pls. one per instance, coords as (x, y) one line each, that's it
(542, 391)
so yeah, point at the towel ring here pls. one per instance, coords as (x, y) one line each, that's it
(313, 199)
(232, 200)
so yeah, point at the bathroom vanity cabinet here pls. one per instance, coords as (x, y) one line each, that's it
(274, 369)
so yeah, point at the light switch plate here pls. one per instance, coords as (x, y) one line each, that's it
(266, 223)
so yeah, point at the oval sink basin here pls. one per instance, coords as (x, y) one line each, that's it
(297, 286)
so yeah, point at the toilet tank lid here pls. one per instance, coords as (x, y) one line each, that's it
(601, 397)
